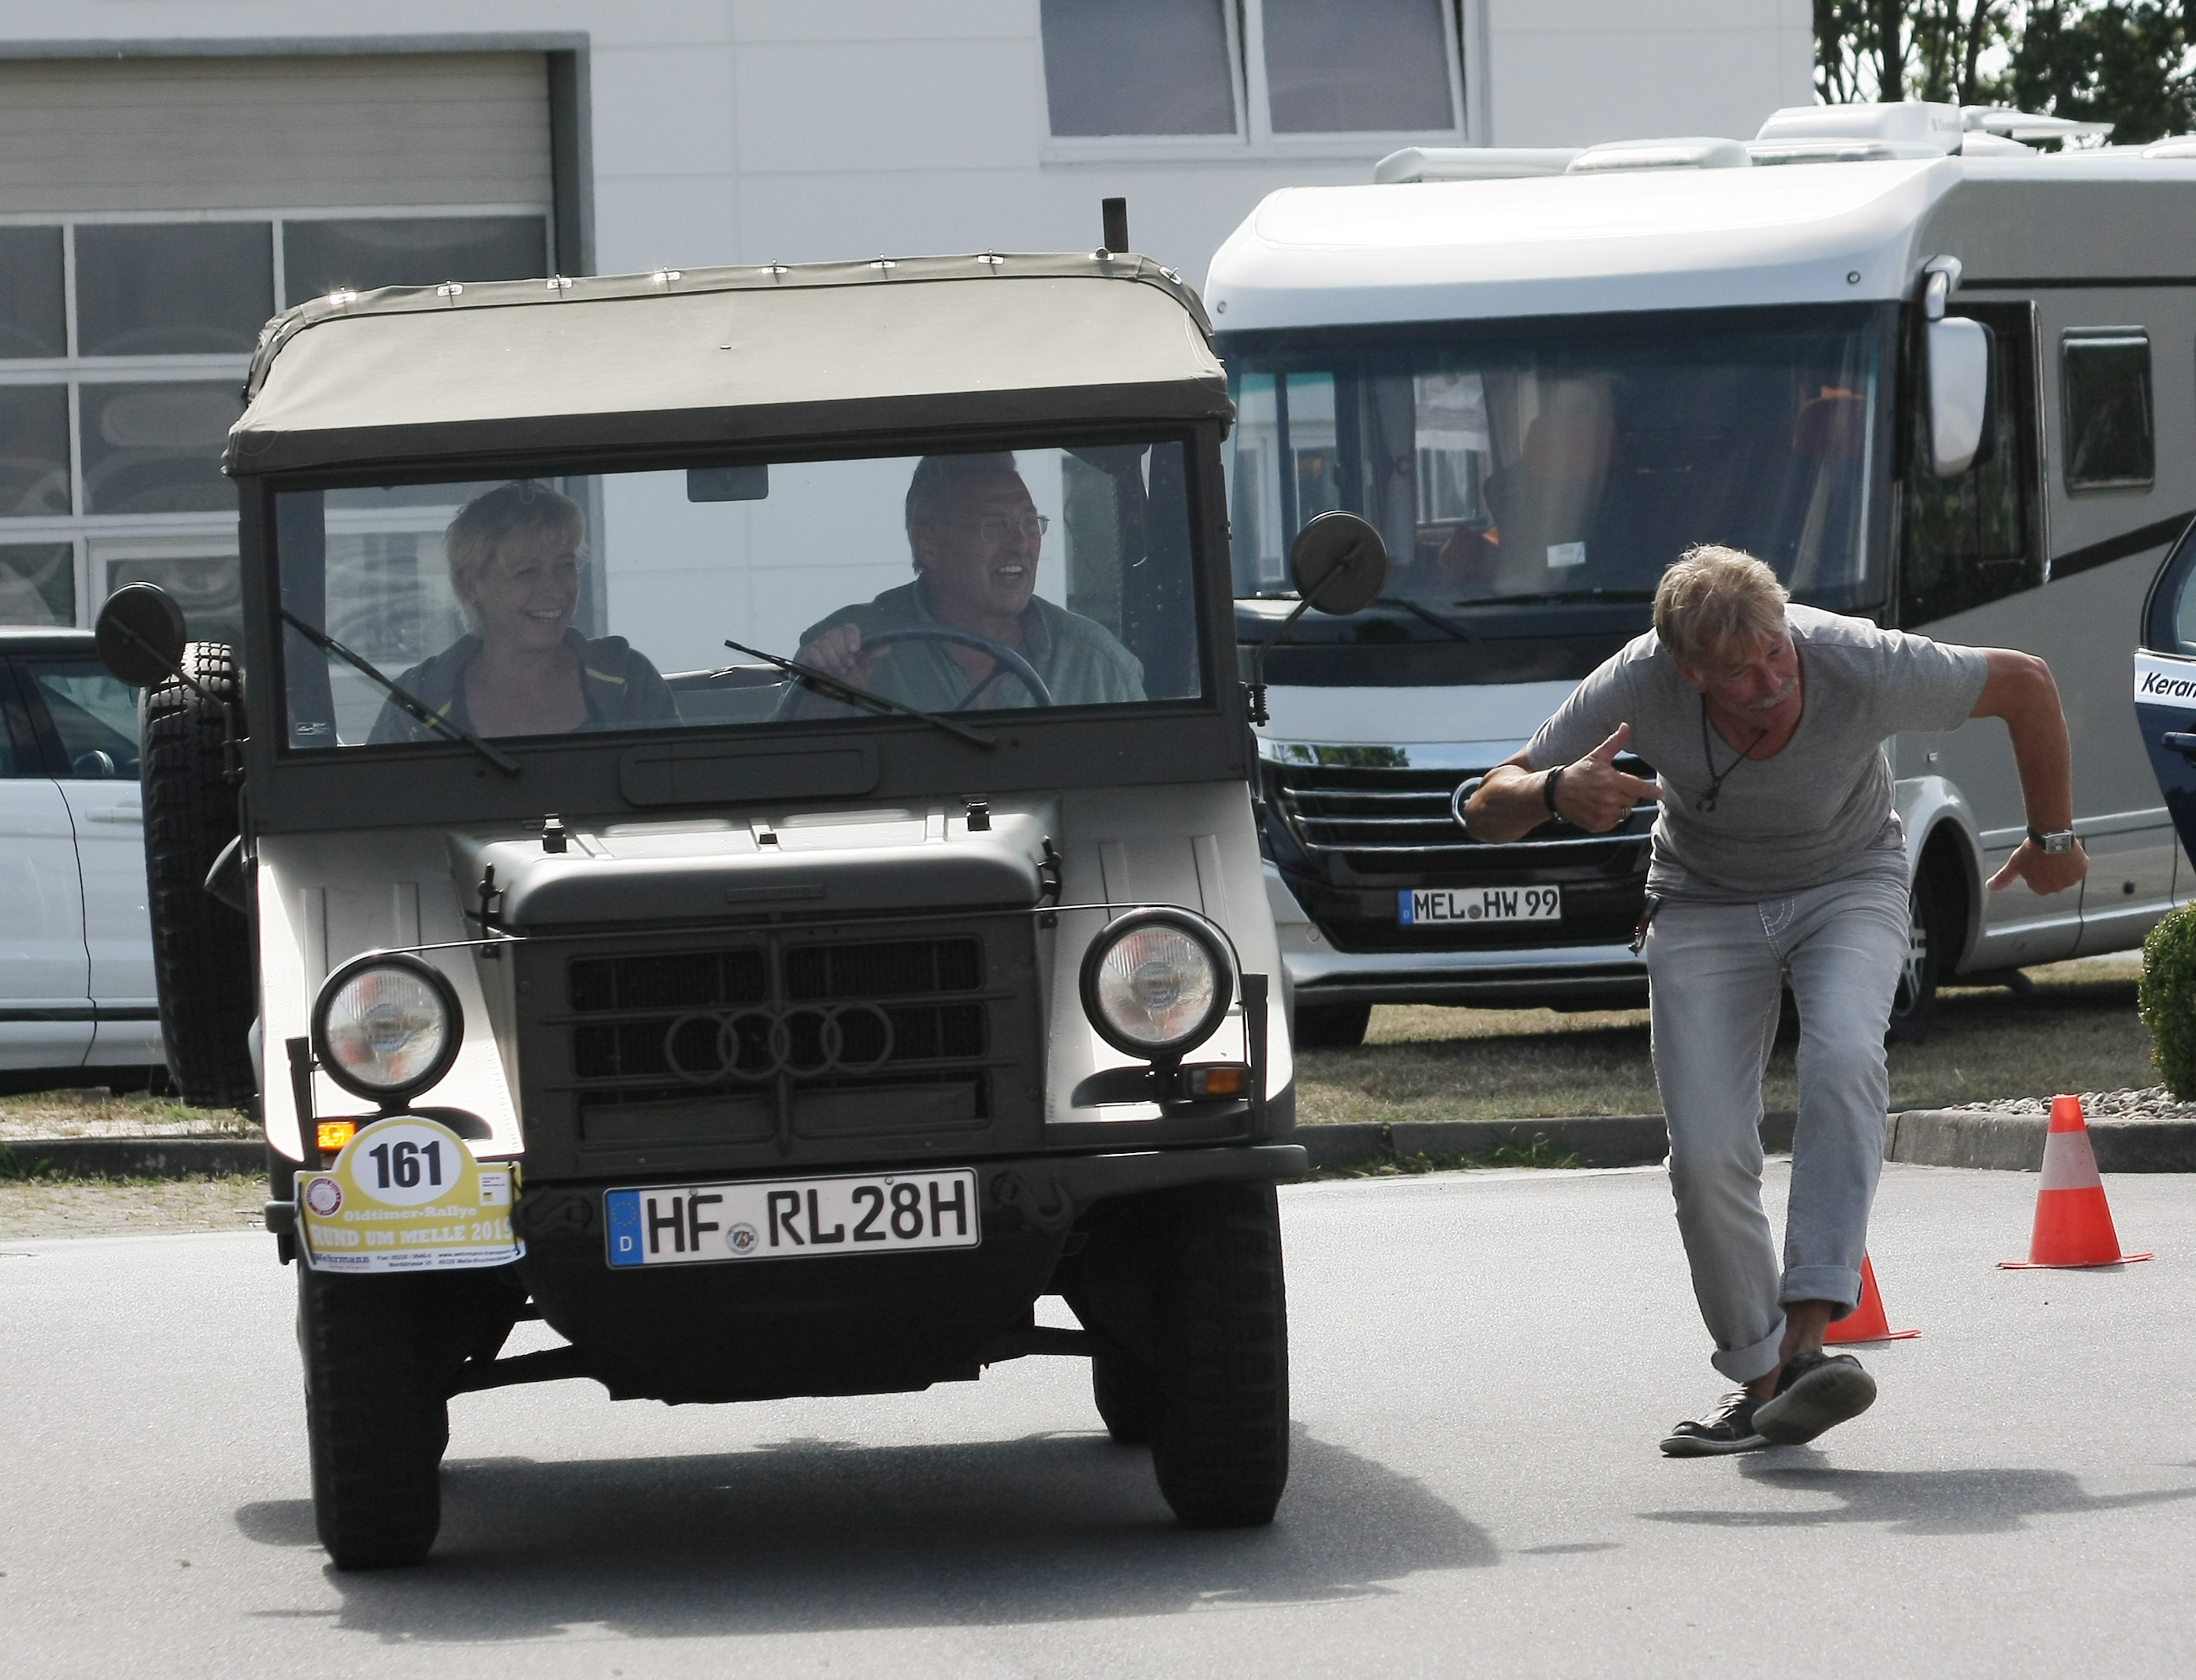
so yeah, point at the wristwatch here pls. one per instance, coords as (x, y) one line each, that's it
(2058, 841)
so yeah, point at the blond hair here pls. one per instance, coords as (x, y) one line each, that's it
(1714, 598)
(484, 524)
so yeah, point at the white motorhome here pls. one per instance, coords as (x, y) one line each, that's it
(1934, 376)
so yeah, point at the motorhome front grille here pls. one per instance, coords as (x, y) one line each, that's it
(826, 1036)
(1376, 823)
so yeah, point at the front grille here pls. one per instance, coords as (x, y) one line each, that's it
(1357, 834)
(779, 1036)
(1377, 822)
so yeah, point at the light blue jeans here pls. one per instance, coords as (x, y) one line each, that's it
(1715, 973)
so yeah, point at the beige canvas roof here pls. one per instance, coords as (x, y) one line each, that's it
(424, 376)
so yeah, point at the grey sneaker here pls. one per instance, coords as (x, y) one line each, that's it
(1729, 1430)
(1814, 1391)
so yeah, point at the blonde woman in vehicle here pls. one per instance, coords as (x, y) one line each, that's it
(522, 667)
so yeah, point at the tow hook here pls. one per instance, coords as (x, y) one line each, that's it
(1009, 1190)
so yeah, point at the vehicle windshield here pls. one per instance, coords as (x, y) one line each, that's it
(1565, 462)
(944, 584)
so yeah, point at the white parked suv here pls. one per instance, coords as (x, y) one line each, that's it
(77, 987)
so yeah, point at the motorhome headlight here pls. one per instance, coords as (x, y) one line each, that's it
(1157, 983)
(386, 1027)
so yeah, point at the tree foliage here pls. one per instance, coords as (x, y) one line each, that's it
(2129, 62)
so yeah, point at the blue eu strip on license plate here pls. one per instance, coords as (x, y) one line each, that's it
(1418, 907)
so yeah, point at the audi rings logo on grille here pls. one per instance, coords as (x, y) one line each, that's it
(707, 1047)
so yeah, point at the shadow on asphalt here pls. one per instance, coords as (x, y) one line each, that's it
(816, 1534)
(1918, 1501)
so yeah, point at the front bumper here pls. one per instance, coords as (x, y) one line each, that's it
(1556, 976)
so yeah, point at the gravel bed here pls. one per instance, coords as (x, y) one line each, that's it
(95, 1112)
(2155, 1102)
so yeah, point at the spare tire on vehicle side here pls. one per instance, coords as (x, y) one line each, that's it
(202, 957)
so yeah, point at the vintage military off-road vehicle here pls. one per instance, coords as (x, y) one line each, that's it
(762, 1033)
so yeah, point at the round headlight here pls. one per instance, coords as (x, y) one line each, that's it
(1157, 983)
(386, 1027)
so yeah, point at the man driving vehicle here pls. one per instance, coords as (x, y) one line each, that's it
(975, 533)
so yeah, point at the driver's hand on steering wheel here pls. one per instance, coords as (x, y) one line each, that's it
(838, 652)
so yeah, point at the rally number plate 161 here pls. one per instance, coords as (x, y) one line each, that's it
(792, 1218)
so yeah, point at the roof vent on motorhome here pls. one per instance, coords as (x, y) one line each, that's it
(1684, 151)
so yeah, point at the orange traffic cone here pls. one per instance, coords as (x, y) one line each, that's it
(1866, 1322)
(2073, 1222)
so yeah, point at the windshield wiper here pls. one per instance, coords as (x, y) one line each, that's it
(824, 679)
(407, 701)
(1556, 596)
(1433, 618)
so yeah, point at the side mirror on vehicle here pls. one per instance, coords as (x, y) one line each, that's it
(1338, 564)
(1959, 392)
(140, 634)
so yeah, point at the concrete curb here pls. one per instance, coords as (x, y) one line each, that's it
(1927, 1137)
(1955, 1137)
(1930, 1137)
(134, 1157)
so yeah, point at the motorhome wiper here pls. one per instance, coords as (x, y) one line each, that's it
(825, 679)
(1433, 618)
(1556, 596)
(407, 701)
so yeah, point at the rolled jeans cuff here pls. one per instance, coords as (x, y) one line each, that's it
(1743, 1364)
(1838, 1285)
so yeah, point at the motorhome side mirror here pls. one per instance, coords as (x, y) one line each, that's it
(1338, 564)
(1959, 392)
(140, 634)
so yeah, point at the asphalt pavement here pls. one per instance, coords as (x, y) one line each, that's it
(1483, 1364)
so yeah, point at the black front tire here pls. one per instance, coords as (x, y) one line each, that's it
(1128, 1399)
(381, 1353)
(375, 1419)
(202, 957)
(1221, 1446)
(1331, 1027)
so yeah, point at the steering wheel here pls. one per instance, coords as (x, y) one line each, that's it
(1006, 661)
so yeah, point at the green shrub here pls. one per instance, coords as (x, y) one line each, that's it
(2167, 1002)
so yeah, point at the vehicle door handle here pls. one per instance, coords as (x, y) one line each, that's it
(2179, 740)
(137, 817)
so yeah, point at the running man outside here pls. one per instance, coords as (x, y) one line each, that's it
(1777, 859)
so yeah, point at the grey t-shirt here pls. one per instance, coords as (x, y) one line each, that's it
(1820, 809)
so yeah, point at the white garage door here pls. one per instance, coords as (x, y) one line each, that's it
(154, 213)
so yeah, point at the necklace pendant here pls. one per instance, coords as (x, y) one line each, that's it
(1707, 803)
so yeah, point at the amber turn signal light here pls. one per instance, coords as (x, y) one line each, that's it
(1199, 1084)
(331, 1136)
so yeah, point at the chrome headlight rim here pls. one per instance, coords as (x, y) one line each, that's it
(1195, 928)
(388, 1096)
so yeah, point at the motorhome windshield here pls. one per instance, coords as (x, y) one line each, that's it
(1563, 462)
(937, 584)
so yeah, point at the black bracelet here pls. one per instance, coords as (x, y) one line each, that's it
(1548, 788)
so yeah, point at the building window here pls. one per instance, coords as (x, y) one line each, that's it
(1139, 66)
(124, 341)
(1253, 71)
(1372, 66)
(2104, 378)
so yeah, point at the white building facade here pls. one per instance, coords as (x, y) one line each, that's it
(174, 171)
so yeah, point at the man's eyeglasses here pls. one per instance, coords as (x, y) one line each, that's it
(998, 527)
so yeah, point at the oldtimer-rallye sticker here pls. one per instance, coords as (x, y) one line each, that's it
(406, 1195)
